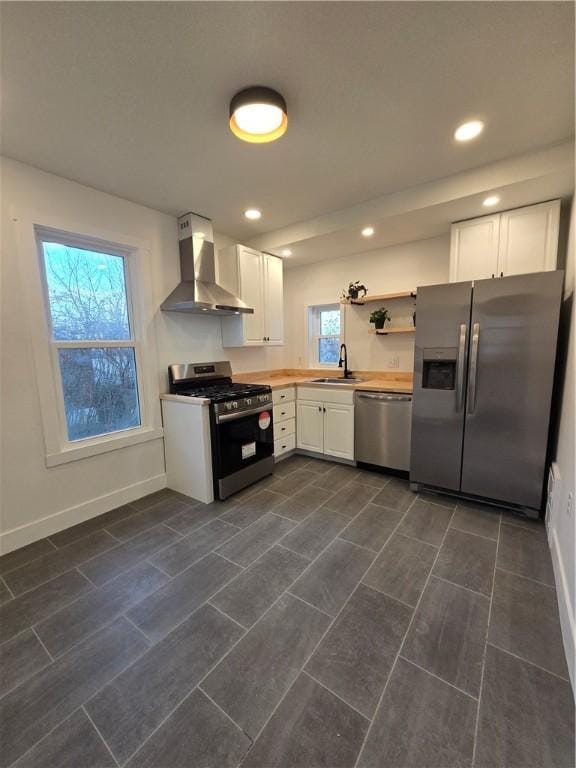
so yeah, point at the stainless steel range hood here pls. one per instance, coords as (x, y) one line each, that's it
(199, 293)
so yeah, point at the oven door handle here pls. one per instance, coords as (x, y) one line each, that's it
(223, 417)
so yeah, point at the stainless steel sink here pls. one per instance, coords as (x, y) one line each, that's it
(340, 380)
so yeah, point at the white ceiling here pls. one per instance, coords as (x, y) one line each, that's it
(428, 209)
(132, 98)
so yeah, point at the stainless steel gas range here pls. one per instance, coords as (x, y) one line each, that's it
(241, 423)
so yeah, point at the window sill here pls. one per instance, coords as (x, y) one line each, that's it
(103, 444)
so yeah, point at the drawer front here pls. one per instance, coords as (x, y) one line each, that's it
(284, 411)
(284, 395)
(284, 428)
(327, 395)
(283, 445)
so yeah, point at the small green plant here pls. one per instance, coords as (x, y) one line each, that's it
(379, 317)
(353, 291)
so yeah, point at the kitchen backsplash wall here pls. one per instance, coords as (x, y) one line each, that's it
(387, 270)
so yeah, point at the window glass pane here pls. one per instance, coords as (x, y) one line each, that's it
(328, 350)
(330, 322)
(87, 293)
(100, 392)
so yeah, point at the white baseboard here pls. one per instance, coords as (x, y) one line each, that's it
(59, 521)
(564, 605)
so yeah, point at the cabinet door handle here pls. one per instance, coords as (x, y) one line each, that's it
(283, 429)
(324, 409)
(282, 413)
(282, 397)
(320, 408)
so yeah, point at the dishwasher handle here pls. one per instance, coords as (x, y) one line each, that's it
(384, 397)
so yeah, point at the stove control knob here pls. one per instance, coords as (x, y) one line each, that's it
(235, 404)
(248, 401)
(228, 406)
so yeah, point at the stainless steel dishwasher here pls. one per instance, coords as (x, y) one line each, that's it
(383, 421)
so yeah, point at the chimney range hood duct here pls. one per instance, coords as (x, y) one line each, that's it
(199, 293)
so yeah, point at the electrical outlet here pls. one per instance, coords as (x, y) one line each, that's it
(569, 506)
(394, 362)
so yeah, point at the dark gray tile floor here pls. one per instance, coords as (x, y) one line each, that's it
(326, 617)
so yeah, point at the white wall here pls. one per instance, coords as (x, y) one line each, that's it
(36, 500)
(562, 533)
(388, 270)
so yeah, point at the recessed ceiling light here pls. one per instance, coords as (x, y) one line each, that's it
(253, 213)
(258, 115)
(368, 231)
(468, 131)
(286, 252)
(490, 201)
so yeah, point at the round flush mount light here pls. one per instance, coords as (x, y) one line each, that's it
(367, 231)
(258, 115)
(286, 252)
(469, 130)
(490, 201)
(253, 213)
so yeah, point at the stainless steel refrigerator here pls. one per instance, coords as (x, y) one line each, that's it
(483, 378)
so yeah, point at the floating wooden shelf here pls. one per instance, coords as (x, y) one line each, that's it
(381, 297)
(386, 331)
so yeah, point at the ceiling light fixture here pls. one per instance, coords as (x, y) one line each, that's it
(490, 201)
(258, 115)
(468, 131)
(253, 213)
(368, 231)
(286, 252)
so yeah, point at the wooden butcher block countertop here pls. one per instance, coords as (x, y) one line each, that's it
(373, 381)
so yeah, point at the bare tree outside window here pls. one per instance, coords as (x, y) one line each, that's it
(90, 321)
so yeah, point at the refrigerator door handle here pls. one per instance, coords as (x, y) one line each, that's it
(473, 368)
(460, 370)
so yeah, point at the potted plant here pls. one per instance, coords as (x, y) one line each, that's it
(354, 290)
(379, 317)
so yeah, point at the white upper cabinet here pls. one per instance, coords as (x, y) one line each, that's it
(258, 280)
(474, 249)
(529, 239)
(511, 243)
(251, 291)
(273, 299)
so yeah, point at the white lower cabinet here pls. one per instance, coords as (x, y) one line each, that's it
(339, 430)
(284, 445)
(284, 421)
(325, 422)
(310, 426)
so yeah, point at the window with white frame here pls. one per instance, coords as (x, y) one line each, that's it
(324, 334)
(91, 331)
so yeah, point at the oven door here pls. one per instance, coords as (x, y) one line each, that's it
(243, 449)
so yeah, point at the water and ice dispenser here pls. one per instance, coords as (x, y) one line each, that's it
(439, 368)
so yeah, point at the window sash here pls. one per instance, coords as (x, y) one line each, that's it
(95, 245)
(314, 334)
